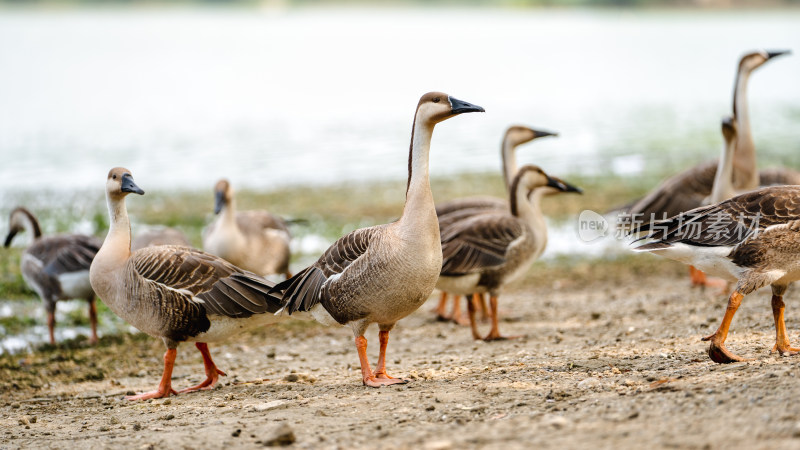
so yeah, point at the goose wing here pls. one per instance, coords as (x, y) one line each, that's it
(304, 290)
(254, 222)
(479, 202)
(186, 278)
(681, 192)
(728, 223)
(65, 253)
(478, 242)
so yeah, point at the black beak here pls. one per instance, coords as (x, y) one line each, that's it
(9, 238)
(774, 53)
(129, 186)
(219, 201)
(562, 185)
(460, 106)
(542, 133)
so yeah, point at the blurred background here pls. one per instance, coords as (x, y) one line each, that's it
(306, 106)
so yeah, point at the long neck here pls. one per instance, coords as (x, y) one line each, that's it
(746, 177)
(117, 245)
(723, 188)
(509, 156)
(419, 207)
(31, 225)
(529, 208)
(228, 213)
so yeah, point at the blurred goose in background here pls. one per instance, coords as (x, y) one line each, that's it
(175, 293)
(383, 273)
(689, 189)
(253, 240)
(458, 208)
(753, 239)
(159, 236)
(56, 267)
(485, 252)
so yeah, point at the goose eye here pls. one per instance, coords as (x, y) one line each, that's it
(437, 100)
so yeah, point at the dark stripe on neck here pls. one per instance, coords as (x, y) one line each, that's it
(37, 230)
(411, 151)
(513, 194)
(736, 87)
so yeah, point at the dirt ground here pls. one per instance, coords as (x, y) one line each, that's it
(601, 364)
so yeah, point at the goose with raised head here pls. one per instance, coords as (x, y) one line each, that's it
(178, 294)
(55, 267)
(383, 273)
(485, 252)
(459, 208)
(689, 189)
(752, 239)
(253, 240)
(159, 236)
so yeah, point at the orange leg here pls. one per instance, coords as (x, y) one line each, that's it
(51, 326)
(782, 344)
(380, 370)
(717, 350)
(494, 333)
(165, 386)
(212, 373)
(699, 279)
(456, 315)
(367, 377)
(481, 299)
(471, 310)
(441, 308)
(93, 321)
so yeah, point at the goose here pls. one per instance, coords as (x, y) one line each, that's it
(253, 240)
(178, 294)
(159, 236)
(688, 189)
(382, 273)
(751, 239)
(456, 209)
(55, 267)
(485, 252)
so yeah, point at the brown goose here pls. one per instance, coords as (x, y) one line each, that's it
(175, 293)
(159, 236)
(383, 273)
(253, 240)
(56, 267)
(688, 189)
(484, 252)
(751, 239)
(459, 208)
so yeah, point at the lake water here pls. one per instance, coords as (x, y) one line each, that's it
(273, 97)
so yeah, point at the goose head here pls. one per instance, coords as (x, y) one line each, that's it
(519, 134)
(223, 194)
(17, 221)
(533, 178)
(435, 107)
(729, 130)
(120, 183)
(755, 59)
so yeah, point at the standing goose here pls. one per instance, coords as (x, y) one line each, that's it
(751, 239)
(253, 240)
(486, 251)
(383, 273)
(56, 267)
(688, 189)
(175, 293)
(459, 208)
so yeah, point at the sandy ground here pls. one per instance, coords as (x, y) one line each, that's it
(599, 364)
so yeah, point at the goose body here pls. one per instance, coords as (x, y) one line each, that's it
(56, 267)
(159, 236)
(688, 189)
(485, 252)
(253, 240)
(460, 208)
(174, 293)
(752, 239)
(383, 273)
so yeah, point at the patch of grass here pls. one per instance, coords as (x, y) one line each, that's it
(13, 325)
